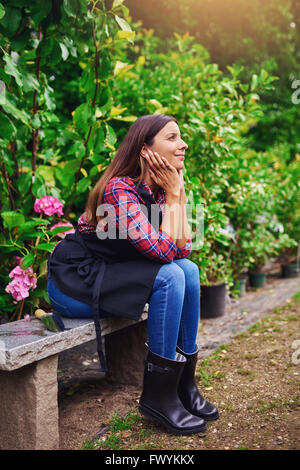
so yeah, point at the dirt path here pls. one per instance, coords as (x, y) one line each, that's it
(253, 379)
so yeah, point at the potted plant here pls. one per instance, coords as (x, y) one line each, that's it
(239, 262)
(288, 212)
(259, 247)
(265, 242)
(214, 263)
(250, 206)
(289, 255)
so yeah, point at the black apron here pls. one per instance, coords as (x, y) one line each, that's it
(109, 275)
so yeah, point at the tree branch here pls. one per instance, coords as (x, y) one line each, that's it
(35, 132)
(6, 177)
(77, 175)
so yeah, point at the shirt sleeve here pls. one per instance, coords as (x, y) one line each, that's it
(133, 224)
(185, 250)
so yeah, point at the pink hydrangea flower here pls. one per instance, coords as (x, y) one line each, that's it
(18, 260)
(22, 281)
(49, 205)
(63, 224)
(17, 290)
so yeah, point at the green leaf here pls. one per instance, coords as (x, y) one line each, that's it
(2, 11)
(12, 219)
(50, 103)
(84, 116)
(23, 182)
(46, 246)
(32, 235)
(43, 268)
(111, 137)
(55, 55)
(29, 82)
(116, 4)
(105, 66)
(11, 68)
(115, 111)
(126, 118)
(126, 35)
(45, 47)
(5, 298)
(7, 128)
(47, 172)
(66, 180)
(230, 88)
(27, 261)
(254, 82)
(41, 192)
(99, 142)
(83, 185)
(11, 20)
(60, 229)
(27, 226)
(195, 180)
(122, 23)
(64, 51)
(72, 166)
(77, 149)
(125, 11)
(40, 221)
(38, 189)
(36, 123)
(20, 114)
(71, 7)
(96, 159)
(103, 96)
(39, 10)
(66, 174)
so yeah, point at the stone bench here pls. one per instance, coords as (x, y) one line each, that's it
(28, 373)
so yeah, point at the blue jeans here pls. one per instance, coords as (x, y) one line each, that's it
(174, 308)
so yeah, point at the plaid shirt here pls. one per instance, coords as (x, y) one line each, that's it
(121, 193)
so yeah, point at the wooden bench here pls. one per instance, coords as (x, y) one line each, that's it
(28, 372)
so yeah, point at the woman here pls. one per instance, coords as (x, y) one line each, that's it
(124, 254)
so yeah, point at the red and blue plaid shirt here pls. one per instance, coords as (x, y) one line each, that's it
(121, 191)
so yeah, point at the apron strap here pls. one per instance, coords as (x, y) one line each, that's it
(96, 296)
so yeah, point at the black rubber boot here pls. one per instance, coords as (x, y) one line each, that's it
(159, 399)
(189, 394)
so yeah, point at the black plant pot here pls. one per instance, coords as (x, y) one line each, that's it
(213, 301)
(290, 270)
(257, 279)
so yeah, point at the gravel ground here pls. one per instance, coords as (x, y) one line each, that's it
(252, 377)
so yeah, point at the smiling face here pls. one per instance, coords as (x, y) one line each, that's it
(169, 144)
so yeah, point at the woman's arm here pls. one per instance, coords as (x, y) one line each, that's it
(172, 215)
(131, 221)
(167, 177)
(175, 221)
(184, 233)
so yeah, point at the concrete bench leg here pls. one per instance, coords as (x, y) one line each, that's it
(125, 353)
(28, 407)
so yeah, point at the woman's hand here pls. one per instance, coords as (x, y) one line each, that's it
(162, 172)
(180, 173)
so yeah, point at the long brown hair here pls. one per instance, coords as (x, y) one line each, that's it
(127, 161)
